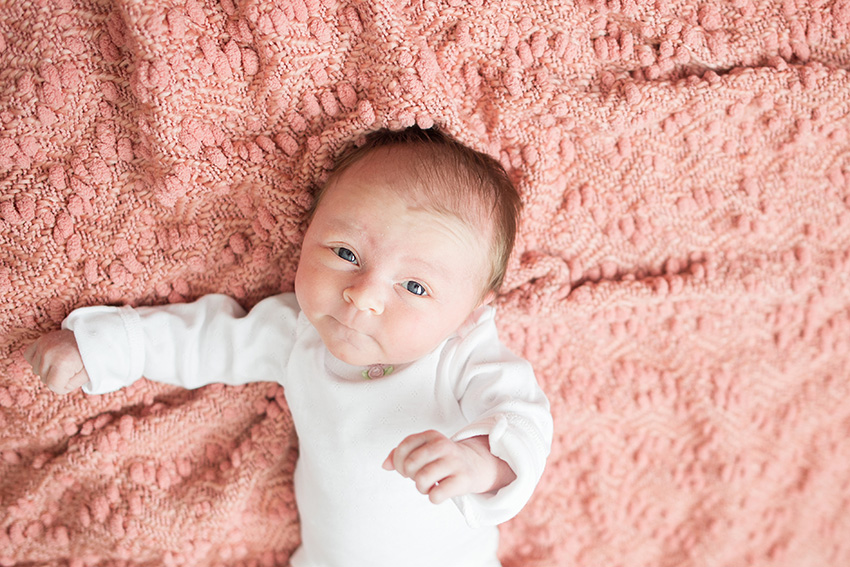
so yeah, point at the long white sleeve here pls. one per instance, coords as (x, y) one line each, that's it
(212, 340)
(500, 397)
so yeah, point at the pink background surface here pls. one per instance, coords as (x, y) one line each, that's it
(680, 282)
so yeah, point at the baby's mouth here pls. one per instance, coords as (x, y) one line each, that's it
(348, 323)
(349, 326)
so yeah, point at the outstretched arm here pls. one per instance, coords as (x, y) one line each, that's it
(211, 340)
(443, 469)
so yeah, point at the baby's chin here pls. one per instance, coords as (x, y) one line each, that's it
(354, 356)
(365, 357)
(362, 351)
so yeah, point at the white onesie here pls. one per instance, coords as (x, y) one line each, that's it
(353, 513)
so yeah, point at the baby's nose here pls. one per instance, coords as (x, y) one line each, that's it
(364, 295)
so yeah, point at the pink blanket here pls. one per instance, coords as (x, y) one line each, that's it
(681, 282)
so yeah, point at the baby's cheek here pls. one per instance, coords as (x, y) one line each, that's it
(311, 290)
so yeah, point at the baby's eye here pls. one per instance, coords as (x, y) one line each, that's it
(345, 254)
(415, 288)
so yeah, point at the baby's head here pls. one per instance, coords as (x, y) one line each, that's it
(451, 179)
(410, 234)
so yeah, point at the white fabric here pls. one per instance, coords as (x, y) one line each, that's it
(352, 511)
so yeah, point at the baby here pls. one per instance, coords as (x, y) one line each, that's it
(387, 352)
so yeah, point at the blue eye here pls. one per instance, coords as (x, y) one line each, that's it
(415, 288)
(345, 254)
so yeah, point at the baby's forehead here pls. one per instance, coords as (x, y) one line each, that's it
(427, 175)
(402, 159)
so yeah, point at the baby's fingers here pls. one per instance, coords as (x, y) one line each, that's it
(447, 488)
(35, 354)
(77, 381)
(429, 475)
(409, 456)
(57, 378)
(64, 375)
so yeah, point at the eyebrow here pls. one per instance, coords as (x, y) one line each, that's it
(344, 224)
(440, 269)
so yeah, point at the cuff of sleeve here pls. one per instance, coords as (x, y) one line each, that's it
(110, 342)
(512, 447)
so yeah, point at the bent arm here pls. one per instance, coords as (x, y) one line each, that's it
(499, 396)
(511, 412)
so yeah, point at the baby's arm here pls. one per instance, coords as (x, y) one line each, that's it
(212, 340)
(509, 427)
(443, 469)
(56, 359)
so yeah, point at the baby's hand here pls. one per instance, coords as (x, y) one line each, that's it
(56, 359)
(443, 469)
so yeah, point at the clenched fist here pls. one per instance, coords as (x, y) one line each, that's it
(56, 359)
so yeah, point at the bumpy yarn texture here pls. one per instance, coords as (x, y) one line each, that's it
(680, 281)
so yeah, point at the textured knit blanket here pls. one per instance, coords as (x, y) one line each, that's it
(681, 282)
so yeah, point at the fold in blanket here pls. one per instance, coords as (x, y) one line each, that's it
(680, 282)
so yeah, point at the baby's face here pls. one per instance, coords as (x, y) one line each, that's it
(385, 281)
